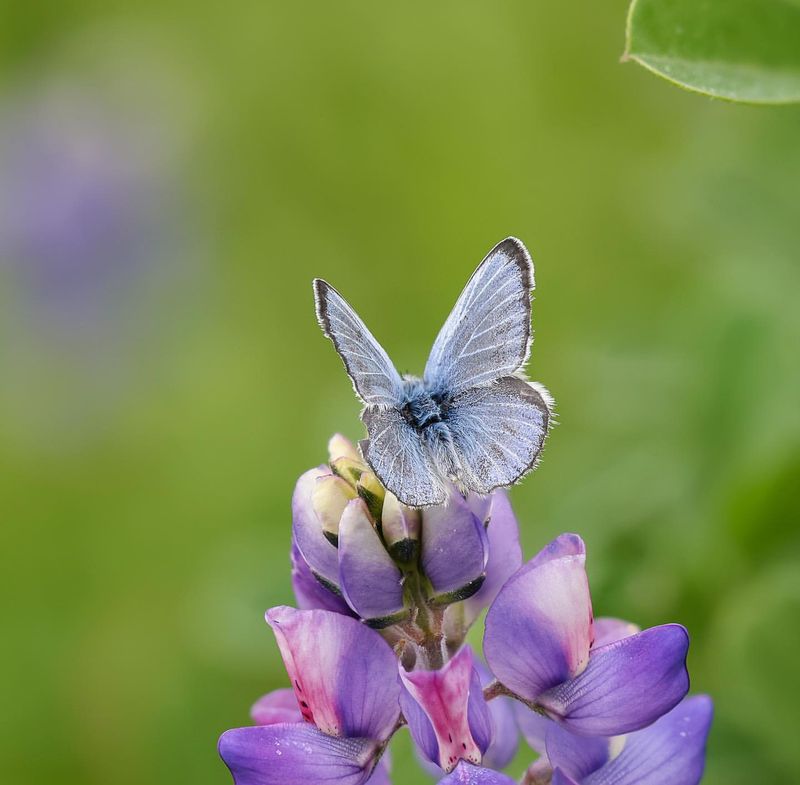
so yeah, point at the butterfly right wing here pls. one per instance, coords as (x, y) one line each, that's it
(397, 455)
(487, 334)
(498, 431)
(374, 378)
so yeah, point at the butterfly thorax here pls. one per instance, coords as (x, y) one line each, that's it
(421, 409)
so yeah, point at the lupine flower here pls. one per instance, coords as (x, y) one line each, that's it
(280, 706)
(539, 645)
(344, 678)
(467, 774)
(441, 703)
(671, 751)
(420, 579)
(446, 712)
(382, 557)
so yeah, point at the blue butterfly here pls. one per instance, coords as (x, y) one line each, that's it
(472, 419)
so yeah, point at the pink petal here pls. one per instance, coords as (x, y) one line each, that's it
(444, 696)
(343, 673)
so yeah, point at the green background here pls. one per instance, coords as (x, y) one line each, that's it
(145, 490)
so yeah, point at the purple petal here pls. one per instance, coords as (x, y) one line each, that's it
(481, 506)
(310, 593)
(560, 778)
(577, 756)
(320, 554)
(278, 706)
(467, 774)
(371, 582)
(504, 737)
(295, 754)
(608, 630)
(505, 553)
(539, 628)
(505, 740)
(627, 684)
(450, 698)
(479, 714)
(533, 726)
(563, 545)
(454, 549)
(671, 750)
(344, 674)
(380, 775)
(421, 730)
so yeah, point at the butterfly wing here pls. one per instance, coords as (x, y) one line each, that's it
(396, 453)
(498, 431)
(488, 332)
(374, 378)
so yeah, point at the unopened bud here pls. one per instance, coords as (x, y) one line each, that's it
(329, 498)
(341, 447)
(369, 488)
(400, 526)
(349, 470)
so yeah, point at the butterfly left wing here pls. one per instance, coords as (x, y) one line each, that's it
(374, 378)
(487, 334)
(498, 431)
(397, 455)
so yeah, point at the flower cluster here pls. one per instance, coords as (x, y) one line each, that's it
(386, 595)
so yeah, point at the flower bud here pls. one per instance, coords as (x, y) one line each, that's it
(341, 447)
(348, 469)
(329, 498)
(369, 488)
(400, 526)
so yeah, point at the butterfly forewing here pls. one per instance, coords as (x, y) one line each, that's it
(498, 431)
(374, 377)
(487, 334)
(400, 459)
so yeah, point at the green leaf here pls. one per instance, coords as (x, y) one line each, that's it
(741, 50)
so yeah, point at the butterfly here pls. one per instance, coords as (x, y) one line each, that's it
(472, 419)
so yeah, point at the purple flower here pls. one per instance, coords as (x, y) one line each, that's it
(380, 556)
(310, 593)
(446, 712)
(671, 751)
(280, 706)
(539, 644)
(504, 735)
(467, 774)
(276, 707)
(419, 579)
(345, 683)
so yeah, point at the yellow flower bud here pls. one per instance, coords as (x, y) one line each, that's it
(329, 498)
(341, 447)
(400, 526)
(369, 488)
(349, 470)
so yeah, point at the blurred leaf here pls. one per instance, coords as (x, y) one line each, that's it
(741, 50)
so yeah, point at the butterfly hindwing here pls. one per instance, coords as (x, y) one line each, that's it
(374, 377)
(498, 431)
(488, 332)
(398, 456)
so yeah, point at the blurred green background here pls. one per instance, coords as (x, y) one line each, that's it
(163, 381)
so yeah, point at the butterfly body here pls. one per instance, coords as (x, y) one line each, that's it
(421, 409)
(472, 419)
